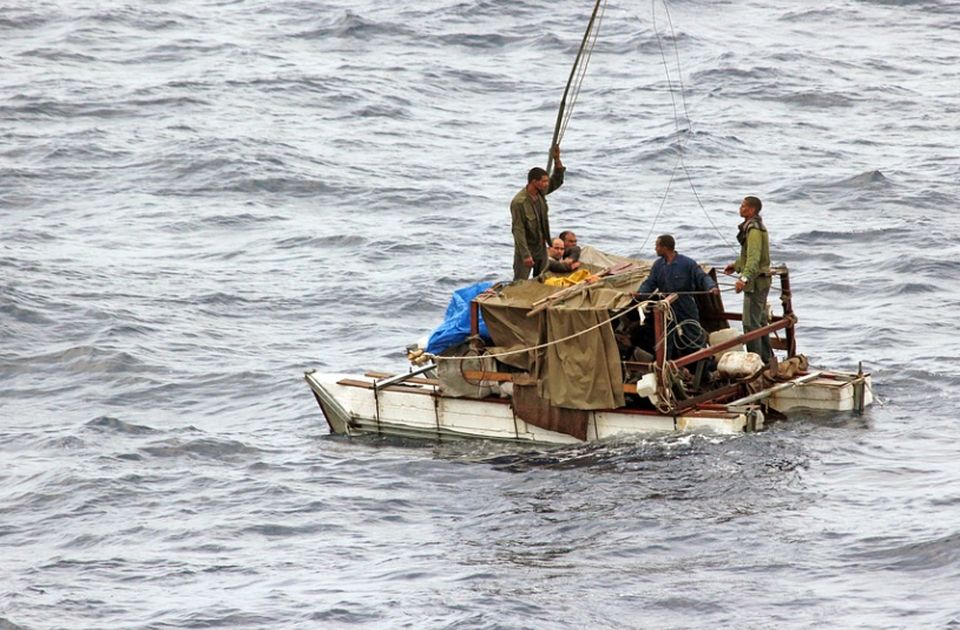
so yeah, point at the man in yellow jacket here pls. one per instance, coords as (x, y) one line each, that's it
(530, 222)
(753, 265)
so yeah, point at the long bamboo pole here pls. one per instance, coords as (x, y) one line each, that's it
(566, 90)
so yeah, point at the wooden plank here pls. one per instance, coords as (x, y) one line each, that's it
(480, 375)
(411, 389)
(414, 379)
(507, 377)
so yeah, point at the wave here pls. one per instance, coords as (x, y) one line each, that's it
(483, 9)
(382, 111)
(219, 175)
(812, 14)
(608, 455)
(827, 237)
(202, 448)
(48, 108)
(82, 359)
(351, 25)
(59, 55)
(902, 554)
(727, 73)
(482, 41)
(871, 179)
(813, 99)
(23, 314)
(141, 18)
(346, 241)
(107, 424)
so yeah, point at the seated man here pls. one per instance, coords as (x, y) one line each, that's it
(676, 273)
(556, 262)
(570, 248)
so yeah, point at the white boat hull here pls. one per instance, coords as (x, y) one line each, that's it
(415, 408)
(352, 407)
(831, 391)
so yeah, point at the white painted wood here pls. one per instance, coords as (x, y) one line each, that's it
(828, 394)
(419, 411)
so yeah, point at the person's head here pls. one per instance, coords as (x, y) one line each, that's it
(750, 207)
(538, 178)
(556, 249)
(665, 245)
(569, 239)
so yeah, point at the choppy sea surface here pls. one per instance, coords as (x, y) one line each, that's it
(201, 200)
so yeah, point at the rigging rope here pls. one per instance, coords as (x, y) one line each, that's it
(670, 326)
(668, 374)
(582, 72)
(549, 343)
(676, 116)
(577, 72)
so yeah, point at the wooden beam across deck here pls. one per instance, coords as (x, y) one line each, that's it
(472, 376)
(784, 322)
(414, 379)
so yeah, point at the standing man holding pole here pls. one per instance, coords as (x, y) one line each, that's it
(530, 222)
(528, 210)
(753, 265)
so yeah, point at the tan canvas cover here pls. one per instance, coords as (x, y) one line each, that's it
(580, 373)
(583, 372)
(602, 260)
(506, 317)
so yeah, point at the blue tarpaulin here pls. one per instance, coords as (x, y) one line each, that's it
(456, 322)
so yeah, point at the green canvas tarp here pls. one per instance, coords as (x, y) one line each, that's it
(583, 372)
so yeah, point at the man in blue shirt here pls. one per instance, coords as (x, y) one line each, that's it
(676, 273)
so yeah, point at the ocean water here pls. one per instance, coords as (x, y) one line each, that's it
(200, 201)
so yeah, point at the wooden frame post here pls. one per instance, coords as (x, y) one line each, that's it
(786, 298)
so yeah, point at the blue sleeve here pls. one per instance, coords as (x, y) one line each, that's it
(651, 282)
(702, 281)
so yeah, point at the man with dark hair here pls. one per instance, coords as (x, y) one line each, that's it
(530, 222)
(753, 265)
(676, 273)
(570, 248)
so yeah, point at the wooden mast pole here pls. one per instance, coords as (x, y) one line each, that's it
(566, 90)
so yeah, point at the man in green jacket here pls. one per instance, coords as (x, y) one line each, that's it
(753, 265)
(530, 221)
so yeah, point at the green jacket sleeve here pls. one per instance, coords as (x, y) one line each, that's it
(519, 229)
(556, 180)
